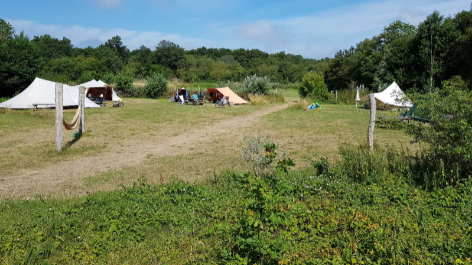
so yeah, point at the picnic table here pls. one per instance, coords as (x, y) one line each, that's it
(35, 105)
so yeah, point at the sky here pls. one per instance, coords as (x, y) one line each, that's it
(311, 28)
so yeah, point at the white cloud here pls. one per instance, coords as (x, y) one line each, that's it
(322, 34)
(314, 35)
(82, 36)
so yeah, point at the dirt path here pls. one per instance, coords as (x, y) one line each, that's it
(58, 179)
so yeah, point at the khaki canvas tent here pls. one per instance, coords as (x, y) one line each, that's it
(392, 97)
(96, 88)
(217, 93)
(42, 94)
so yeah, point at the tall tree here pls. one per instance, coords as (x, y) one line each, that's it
(169, 54)
(6, 31)
(116, 44)
(435, 39)
(18, 65)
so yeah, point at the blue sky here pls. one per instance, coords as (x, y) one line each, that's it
(312, 28)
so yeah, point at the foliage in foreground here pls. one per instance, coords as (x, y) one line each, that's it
(357, 212)
(448, 133)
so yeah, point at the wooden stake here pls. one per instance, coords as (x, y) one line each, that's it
(59, 117)
(370, 132)
(82, 128)
(336, 95)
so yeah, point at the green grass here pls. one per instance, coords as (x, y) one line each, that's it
(310, 219)
(29, 135)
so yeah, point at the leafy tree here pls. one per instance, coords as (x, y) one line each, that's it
(48, 47)
(116, 44)
(313, 86)
(156, 86)
(448, 134)
(169, 54)
(6, 31)
(18, 65)
(436, 36)
(110, 59)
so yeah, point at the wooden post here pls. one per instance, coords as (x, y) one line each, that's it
(370, 132)
(82, 128)
(59, 117)
(336, 95)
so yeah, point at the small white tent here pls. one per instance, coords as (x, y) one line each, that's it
(42, 93)
(94, 84)
(393, 96)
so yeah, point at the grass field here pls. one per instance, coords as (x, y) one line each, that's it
(160, 140)
(156, 182)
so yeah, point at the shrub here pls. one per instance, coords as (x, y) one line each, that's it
(261, 154)
(256, 85)
(156, 86)
(448, 134)
(313, 86)
(109, 79)
(124, 81)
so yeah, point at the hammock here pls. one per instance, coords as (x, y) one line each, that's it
(73, 124)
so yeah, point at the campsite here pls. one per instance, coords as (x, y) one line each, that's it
(323, 136)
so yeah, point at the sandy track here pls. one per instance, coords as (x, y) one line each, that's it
(59, 179)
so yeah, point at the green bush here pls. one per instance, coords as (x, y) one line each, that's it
(124, 81)
(156, 86)
(448, 134)
(109, 79)
(313, 86)
(256, 85)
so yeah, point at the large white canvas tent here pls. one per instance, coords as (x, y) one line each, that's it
(393, 96)
(42, 93)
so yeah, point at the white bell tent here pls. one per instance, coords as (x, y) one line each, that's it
(94, 88)
(41, 94)
(393, 96)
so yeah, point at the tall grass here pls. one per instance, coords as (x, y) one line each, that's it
(47, 114)
(271, 98)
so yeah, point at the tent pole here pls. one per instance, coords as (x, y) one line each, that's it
(370, 132)
(82, 128)
(59, 117)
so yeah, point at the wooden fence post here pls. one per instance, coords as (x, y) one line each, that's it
(336, 95)
(82, 128)
(59, 117)
(370, 132)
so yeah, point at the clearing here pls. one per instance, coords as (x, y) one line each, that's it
(159, 140)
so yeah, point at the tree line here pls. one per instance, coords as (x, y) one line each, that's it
(417, 58)
(22, 59)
